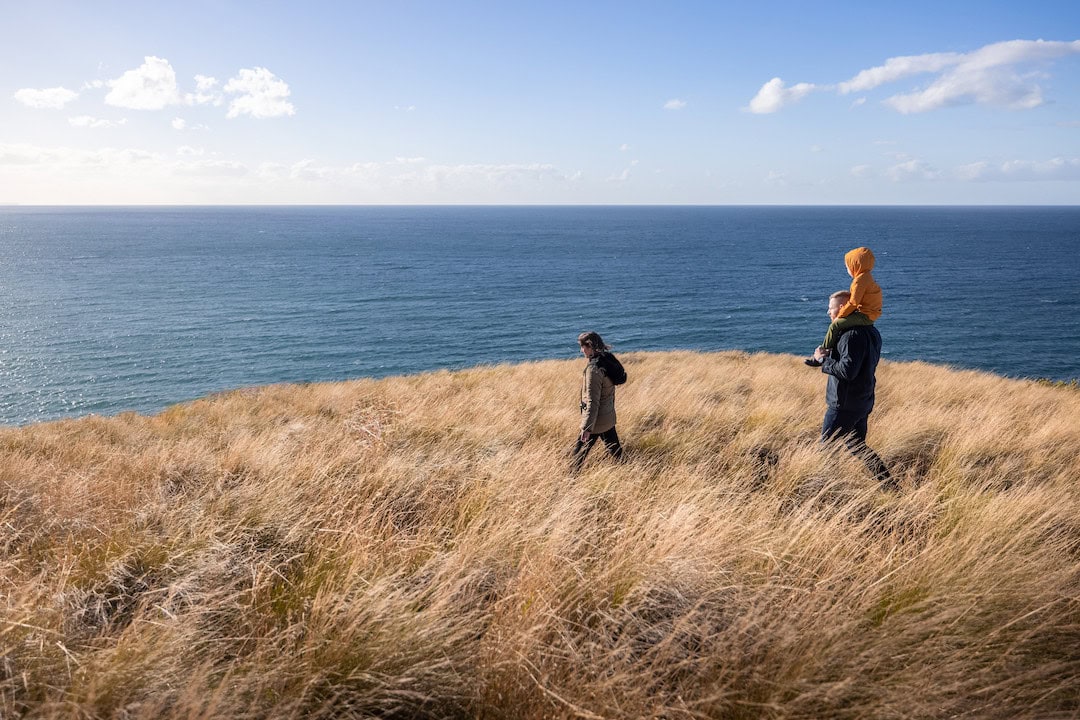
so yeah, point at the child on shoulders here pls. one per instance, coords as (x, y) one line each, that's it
(863, 308)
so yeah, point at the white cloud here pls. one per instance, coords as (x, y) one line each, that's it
(210, 168)
(1021, 170)
(997, 74)
(858, 102)
(862, 171)
(46, 99)
(182, 125)
(773, 95)
(272, 171)
(467, 177)
(988, 76)
(910, 170)
(308, 171)
(675, 104)
(192, 174)
(151, 86)
(897, 68)
(421, 179)
(21, 154)
(624, 147)
(204, 83)
(816, 149)
(625, 174)
(62, 157)
(420, 174)
(967, 86)
(205, 92)
(364, 170)
(405, 108)
(261, 94)
(87, 121)
(975, 171)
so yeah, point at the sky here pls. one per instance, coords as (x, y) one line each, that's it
(463, 102)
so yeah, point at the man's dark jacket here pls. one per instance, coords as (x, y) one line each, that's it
(851, 369)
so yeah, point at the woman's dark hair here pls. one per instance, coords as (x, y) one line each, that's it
(593, 340)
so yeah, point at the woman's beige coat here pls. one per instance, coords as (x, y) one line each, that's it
(597, 400)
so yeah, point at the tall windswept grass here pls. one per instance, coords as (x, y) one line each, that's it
(414, 547)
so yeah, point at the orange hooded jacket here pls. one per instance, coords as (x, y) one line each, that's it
(865, 293)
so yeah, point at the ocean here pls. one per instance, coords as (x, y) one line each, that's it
(104, 310)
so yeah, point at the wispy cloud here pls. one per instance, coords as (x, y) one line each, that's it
(897, 68)
(206, 92)
(625, 174)
(151, 86)
(210, 168)
(990, 75)
(260, 94)
(64, 157)
(197, 173)
(775, 177)
(468, 176)
(182, 125)
(774, 95)
(46, 99)
(416, 172)
(998, 74)
(675, 104)
(87, 121)
(910, 170)
(1055, 169)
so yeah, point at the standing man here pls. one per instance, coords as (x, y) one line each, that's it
(850, 392)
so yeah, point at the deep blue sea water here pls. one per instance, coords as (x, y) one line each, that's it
(110, 309)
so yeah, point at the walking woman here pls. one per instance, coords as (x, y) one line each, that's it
(597, 399)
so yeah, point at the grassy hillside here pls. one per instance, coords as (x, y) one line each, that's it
(414, 547)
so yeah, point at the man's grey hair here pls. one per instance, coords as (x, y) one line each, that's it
(842, 295)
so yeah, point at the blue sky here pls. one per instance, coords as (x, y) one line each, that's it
(554, 102)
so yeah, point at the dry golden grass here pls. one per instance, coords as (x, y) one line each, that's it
(414, 547)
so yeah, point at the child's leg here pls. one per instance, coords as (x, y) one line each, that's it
(838, 326)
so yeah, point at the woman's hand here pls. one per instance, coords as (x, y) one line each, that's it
(585, 435)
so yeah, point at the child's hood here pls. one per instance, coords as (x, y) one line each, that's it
(859, 261)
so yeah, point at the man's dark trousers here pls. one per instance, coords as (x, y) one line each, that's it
(851, 428)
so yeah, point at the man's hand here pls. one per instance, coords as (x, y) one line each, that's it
(820, 353)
